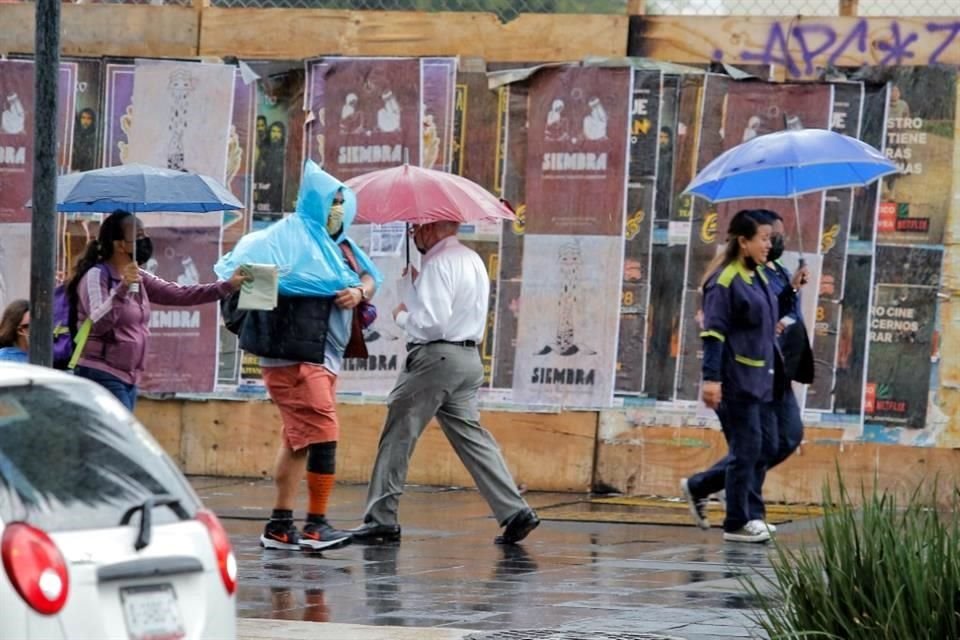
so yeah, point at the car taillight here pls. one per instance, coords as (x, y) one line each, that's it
(36, 567)
(226, 561)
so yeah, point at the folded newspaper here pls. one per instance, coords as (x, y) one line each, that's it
(261, 292)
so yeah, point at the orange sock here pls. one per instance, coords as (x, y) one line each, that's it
(319, 488)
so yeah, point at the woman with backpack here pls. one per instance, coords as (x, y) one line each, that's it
(15, 332)
(110, 298)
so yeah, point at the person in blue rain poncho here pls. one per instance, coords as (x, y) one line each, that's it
(325, 280)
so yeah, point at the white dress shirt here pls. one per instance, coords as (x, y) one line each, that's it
(449, 299)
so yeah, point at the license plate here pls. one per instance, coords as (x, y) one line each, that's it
(152, 613)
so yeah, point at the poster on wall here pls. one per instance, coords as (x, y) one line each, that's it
(837, 216)
(386, 341)
(241, 151)
(573, 237)
(921, 114)
(439, 89)
(87, 130)
(511, 161)
(702, 237)
(852, 343)
(749, 110)
(276, 169)
(677, 155)
(184, 344)
(17, 128)
(14, 262)
(644, 156)
(902, 324)
(118, 112)
(183, 116)
(365, 113)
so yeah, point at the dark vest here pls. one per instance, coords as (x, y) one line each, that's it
(295, 330)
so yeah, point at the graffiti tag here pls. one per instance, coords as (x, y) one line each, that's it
(798, 46)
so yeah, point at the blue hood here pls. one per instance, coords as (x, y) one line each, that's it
(309, 260)
(317, 190)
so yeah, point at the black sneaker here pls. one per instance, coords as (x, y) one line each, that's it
(320, 535)
(698, 506)
(280, 534)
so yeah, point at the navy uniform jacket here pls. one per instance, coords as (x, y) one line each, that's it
(794, 342)
(740, 310)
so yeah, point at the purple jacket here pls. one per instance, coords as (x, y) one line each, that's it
(118, 339)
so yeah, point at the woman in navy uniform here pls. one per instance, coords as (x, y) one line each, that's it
(742, 368)
(798, 365)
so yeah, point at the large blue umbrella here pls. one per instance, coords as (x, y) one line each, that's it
(789, 164)
(140, 188)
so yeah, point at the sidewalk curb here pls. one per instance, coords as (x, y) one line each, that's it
(264, 629)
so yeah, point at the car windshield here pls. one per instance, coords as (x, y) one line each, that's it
(72, 458)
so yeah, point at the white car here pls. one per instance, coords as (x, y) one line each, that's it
(101, 535)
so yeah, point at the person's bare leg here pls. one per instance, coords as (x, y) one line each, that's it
(280, 532)
(289, 469)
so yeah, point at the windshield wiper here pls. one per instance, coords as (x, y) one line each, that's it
(145, 509)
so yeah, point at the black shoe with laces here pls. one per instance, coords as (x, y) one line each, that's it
(280, 534)
(697, 506)
(318, 535)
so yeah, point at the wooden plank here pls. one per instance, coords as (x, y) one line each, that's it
(653, 460)
(165, 422)
(313, 32)
(553, 452)
(849, 7)
(798, 44)
(107, 30)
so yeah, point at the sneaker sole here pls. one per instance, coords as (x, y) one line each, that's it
(270, 543)
(703, 523)
(318, 545)
(733, 537)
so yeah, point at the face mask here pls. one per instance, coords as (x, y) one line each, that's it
(144, 250)
(776, 248)
(335, 219)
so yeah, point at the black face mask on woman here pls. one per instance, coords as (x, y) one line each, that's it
(777, 245)
(144, 250)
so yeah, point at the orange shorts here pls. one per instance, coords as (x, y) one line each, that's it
(306, 396)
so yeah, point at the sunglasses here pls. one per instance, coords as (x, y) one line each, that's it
(25, 325)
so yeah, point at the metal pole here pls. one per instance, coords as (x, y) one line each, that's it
(43, 252)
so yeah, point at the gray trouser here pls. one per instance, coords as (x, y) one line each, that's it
(439, 380)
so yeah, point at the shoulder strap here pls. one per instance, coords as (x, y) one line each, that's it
(79, 343)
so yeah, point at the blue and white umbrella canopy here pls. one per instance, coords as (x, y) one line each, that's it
(789, 164)
(139, 188)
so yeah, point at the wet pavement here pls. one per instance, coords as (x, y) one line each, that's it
(574, 579)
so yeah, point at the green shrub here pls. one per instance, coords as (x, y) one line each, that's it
(878, 572)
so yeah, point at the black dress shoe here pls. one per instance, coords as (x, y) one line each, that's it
(372, 533)
(518, 527)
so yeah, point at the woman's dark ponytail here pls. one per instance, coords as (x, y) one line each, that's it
(98, 250)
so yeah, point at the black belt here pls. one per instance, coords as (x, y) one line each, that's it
(470, 344)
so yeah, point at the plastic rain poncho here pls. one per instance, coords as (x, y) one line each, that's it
(308, 260)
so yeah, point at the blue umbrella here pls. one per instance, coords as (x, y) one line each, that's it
(789, 164)
(139, 188)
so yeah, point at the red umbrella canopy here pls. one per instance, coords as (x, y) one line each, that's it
(420, 196)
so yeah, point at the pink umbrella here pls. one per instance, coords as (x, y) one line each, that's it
(420, 196)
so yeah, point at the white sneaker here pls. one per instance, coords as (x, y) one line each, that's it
(764, 525)
(750, 532)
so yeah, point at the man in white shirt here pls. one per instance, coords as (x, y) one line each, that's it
(444, 313)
